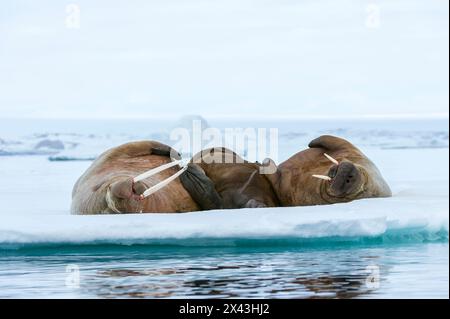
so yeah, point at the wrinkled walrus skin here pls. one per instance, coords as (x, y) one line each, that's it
(355, 177)
(107, 186)
(237, 183)
(241, 184)
(220, 179)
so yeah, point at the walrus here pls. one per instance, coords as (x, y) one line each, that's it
(107, 187)
(346, 174)
(219, 178)
(351, 175)
(236, 183)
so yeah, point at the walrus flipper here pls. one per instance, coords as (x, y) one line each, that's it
(201, 188)
(330, 142)
(165, 150)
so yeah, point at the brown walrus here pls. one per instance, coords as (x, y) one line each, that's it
(219, 178)
(241, 184)
(107, 186)
(237, 183)
(355, 176)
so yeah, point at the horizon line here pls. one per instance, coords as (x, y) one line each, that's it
(386, 116)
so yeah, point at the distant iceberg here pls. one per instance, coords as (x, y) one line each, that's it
(187, 121)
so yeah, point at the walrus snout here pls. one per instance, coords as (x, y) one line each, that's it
(128, 189)
(346, 179)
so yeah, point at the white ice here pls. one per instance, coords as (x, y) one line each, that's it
(35, 199)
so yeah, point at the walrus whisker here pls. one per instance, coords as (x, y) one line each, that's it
(163, 183)
(156, 170)
(331, 159)
(324, 177)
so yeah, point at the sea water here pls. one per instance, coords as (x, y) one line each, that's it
(277, 271)
(376, 248)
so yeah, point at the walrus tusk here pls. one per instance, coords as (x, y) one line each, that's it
(331, 159)
(163, 183)
(324, 177)
(156, 170)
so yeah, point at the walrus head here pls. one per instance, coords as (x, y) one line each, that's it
(354, 176)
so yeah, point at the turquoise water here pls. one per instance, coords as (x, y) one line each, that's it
(287, 271)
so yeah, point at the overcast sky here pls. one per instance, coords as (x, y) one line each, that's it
(145, 58)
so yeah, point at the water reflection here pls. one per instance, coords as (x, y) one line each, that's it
(180, 272)
(255, 280)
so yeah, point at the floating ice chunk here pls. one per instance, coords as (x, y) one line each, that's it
(56, 145)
